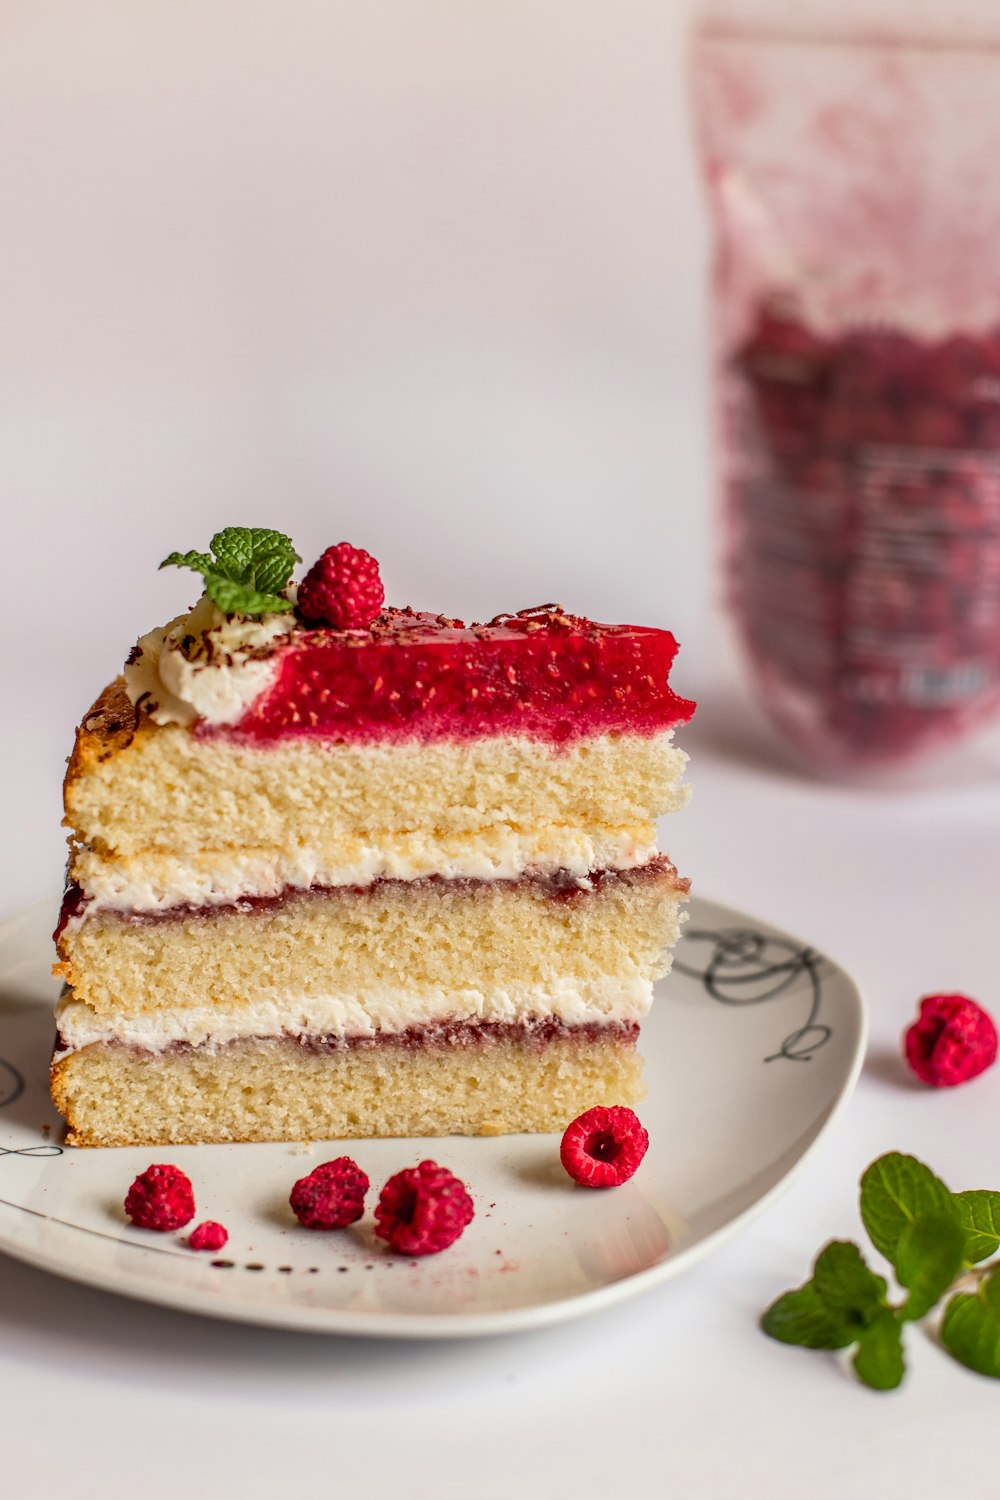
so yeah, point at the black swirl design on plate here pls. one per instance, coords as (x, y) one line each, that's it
(35, 1151)
(11, 1083)
(745, 967)
(11, 1088)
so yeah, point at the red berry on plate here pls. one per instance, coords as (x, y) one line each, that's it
(208, 1236)
(952, 1040)
(422, 1210)
(604, 1146)
(332, 1196)
(160, 1198)
(343, 589)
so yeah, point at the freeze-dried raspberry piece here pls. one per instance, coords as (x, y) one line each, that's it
(604, 1146)
(423, 1209)
(160, 1198)
(952, 1040)
(343, 589)
(332, 1196)
(208, 1236)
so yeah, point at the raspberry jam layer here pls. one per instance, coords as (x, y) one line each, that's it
(559, 885)
(472, 1035)
(542, 673)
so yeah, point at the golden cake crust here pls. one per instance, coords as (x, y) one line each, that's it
(108, 727)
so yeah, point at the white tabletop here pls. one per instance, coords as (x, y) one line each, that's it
(675, 1392)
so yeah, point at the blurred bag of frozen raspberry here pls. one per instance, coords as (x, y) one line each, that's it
(852, 158)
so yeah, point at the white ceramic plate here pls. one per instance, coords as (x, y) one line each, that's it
(752, 1049)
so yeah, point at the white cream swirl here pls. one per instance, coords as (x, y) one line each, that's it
(205, 665)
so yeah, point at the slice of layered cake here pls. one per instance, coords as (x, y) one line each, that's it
(344, 870)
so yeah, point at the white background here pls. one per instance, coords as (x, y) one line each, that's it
(429, 276)
(423, 275)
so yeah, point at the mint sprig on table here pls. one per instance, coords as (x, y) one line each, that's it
(247, 570)
(935, 1242)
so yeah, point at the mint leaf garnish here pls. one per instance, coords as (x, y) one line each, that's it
(979, 1215)
(879, 1362)
(801, 1317)
(971, 1327)
(235, 598)
(932, 1237)
(248, 568)
(835, 1307)
(199, 561)
(255, 556)
(844, 1282)
(897, 1190)
(929, 1256)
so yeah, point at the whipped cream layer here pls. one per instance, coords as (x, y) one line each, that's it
(602, 1000)
(205, 665)
(156, 880)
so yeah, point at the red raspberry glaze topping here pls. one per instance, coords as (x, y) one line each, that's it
(952, 1040)
(541, 673)
(160, 1198)
(332, 1196)
(342, 589)
(423, 1209)
(604, 1146)
(208, 1236)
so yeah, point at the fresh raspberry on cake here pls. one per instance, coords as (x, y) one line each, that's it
(952, 1040)
(423, 1209)
(160, 1198)
(604, 1146)
(395, 878)
(343, 589)
(331, 1196)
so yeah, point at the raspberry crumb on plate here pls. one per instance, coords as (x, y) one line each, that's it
(208, 1236)
(603, 1146)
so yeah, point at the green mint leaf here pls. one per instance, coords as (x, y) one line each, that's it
(844, 1283)
(232, 548)
(929, 1256)
(256, 556)
(970, 1330)
(239, 599)
(879, 1360)
(979, 1215)
(802, 1317)
(249, 568)
(199, 561)
(835, 1307)
(896, 1190)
